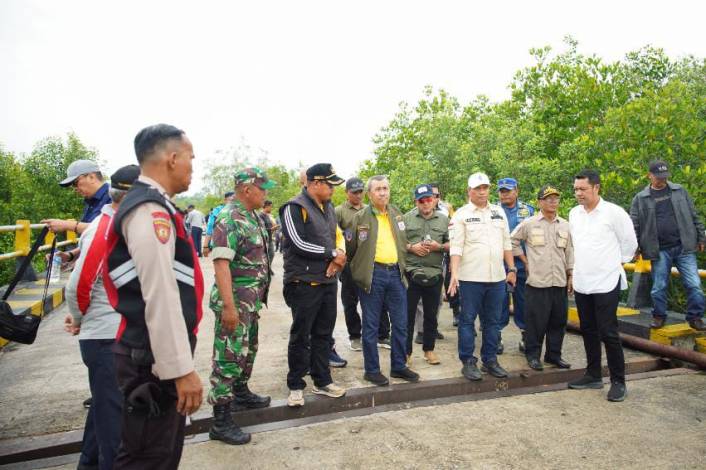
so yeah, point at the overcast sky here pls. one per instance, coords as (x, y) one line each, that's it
(306, 81)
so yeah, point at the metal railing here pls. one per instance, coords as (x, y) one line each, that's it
(644, 266)
(23, 234)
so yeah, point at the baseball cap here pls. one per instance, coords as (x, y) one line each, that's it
(659, 168)
(78, 168)
(323, 172)
(124, 177)
(254, 175)
(507, 183)
(423, 190)
(355, 184)
(478, 179)
(547, 190)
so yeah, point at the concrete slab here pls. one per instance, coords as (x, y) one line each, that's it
(43, 385)
(662, 424)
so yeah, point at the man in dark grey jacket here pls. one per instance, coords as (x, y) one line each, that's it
(669, 232)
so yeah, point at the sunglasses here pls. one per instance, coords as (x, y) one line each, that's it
(425, 200)
(75, 182)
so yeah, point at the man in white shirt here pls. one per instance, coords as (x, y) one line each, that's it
(603, 239)
(479, 243)
(195, 221)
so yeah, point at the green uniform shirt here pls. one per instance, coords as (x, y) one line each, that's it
(419, 229)
(240, 237)
(344, 216)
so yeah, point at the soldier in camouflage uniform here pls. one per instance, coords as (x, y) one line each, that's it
(242, 271)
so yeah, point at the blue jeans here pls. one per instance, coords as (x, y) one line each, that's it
(482, 299)
(386, 289)
(686, 264)
(101, 435)
(518, 300)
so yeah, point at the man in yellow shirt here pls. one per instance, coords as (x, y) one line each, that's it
(377, 249)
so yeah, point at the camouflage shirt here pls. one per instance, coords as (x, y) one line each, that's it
(240, 237)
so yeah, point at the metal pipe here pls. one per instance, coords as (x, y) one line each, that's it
(658, 349)
(9, 228)
(675, 272)
(14, 254)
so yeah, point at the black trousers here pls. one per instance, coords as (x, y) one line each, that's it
(599, 323)
(546, 310)
(349, 299)
(313, 320)
(148, 441)
(430, 296)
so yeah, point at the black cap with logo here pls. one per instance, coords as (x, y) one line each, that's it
(323, 172)
(659, 168)
(355, 184)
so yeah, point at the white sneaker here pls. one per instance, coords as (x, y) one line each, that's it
(331, 390)
(295, 398)
(356, 345)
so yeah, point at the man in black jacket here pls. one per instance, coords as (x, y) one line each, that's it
(669, 232)
(311, 262)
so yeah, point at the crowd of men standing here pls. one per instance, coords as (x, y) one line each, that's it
(135, 295)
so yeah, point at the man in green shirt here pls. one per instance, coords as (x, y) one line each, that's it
(349, 295)
(427, 239)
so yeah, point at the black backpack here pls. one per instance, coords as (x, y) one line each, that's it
(22, 328)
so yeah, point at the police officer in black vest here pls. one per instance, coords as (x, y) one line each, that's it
(311, 262)
(152, 277)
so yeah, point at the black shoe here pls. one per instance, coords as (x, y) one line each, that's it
(224, 429)
(439, 335)
(405, 374)
(534, 364)
(243, 398)
(377, 378)
(501, 348)
(586, 382)
(521, 346)
(419, 339)
(697, 324)
(657, 322)
(470, 370)
(617, 392)
(494, 369)
(560, 363)
(87, 402)
(455, 319)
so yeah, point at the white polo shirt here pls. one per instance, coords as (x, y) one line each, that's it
(480, 236)
(603, 239)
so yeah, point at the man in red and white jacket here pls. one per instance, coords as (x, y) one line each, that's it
(96, 323)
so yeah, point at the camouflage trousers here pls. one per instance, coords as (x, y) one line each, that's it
(233, 356)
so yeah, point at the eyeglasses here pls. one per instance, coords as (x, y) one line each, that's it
(75, 182)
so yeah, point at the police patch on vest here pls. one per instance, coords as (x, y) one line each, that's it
(523, 212)
(362, 233)
(348, 235)
(162, 226)
(400, 225)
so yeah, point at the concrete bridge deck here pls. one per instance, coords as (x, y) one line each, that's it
(42, 387)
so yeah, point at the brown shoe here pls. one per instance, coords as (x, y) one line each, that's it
(431, 358)
(657, 322)
(697, 324)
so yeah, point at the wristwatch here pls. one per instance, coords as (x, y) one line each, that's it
(334, 253)
(512, 270)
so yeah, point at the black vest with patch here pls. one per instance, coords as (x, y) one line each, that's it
(123, 286)
(319, 229)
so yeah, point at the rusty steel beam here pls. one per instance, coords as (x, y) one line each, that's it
(358, 401)
(652, 347)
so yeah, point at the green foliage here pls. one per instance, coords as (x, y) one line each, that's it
(29, 188)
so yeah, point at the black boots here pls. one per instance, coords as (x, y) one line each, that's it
(224, 429)
(243, 399)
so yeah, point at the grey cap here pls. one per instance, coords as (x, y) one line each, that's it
(78, 168)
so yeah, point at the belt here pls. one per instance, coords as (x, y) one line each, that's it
(387, 266)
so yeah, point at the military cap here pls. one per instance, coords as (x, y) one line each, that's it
(254, 175)
(355, 184)
(548, 190)
(323, 172)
